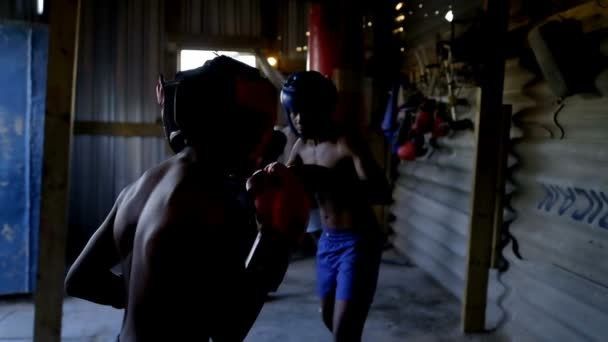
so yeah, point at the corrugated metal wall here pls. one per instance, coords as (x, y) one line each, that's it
(293, 27)
(559, 291)
(121, 55)
(432, 194)
(432, 209)
(123, 48)
(432, 197)
(220, 17)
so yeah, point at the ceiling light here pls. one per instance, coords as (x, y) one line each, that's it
(272, 61)
(449, 16)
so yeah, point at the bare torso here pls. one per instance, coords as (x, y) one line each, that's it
(181, 256)
(337, 183)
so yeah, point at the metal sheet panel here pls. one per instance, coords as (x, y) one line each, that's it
(228, 18)
(432, 196)
(432, 208)
(23, 60)
(121, 55)
(559, 291)
(120, 58)
(293, 28)
(548, 303)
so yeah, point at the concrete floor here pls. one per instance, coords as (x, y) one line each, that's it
(408, 306)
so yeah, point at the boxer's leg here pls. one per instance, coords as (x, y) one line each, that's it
(356, 284)
(326, 279)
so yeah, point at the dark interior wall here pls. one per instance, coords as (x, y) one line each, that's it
(216, 17)
(121, 54)
(124, 45)
(20, 10)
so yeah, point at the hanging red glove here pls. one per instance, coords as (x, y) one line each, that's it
(407, 151)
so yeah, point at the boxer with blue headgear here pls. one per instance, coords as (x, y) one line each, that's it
(346, 181)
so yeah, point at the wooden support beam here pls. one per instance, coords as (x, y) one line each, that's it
(64, 19)
(501, 176)
(485, 174)
(118, 129)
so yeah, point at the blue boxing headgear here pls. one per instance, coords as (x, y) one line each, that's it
(309, 93)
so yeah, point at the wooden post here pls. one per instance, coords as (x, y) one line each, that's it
(487, 143)
(61, 78)
(499, 206)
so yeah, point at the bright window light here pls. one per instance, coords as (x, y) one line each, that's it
(191, 59)
(449, 16)
(40, 7)
(399, 5)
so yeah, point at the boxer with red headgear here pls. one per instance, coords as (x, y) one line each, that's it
(183, 231)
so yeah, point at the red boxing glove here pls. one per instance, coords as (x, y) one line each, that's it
(407, 151)
(280, 200)
(423, 123)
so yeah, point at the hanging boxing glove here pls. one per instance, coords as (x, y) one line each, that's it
(424, 118)
(407, 151)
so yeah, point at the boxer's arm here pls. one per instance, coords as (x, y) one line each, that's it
(90, 277)
(308, 174)
(369, 172)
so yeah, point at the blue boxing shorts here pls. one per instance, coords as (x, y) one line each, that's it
(348, 262)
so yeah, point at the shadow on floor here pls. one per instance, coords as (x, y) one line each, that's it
(409, 306)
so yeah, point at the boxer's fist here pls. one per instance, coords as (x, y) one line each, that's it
(280, 200)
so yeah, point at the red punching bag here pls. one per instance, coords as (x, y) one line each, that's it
(322, 54)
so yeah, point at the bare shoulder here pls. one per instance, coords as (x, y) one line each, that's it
(181, 202)
(133, 199)
(296, 150)
(151, 177)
